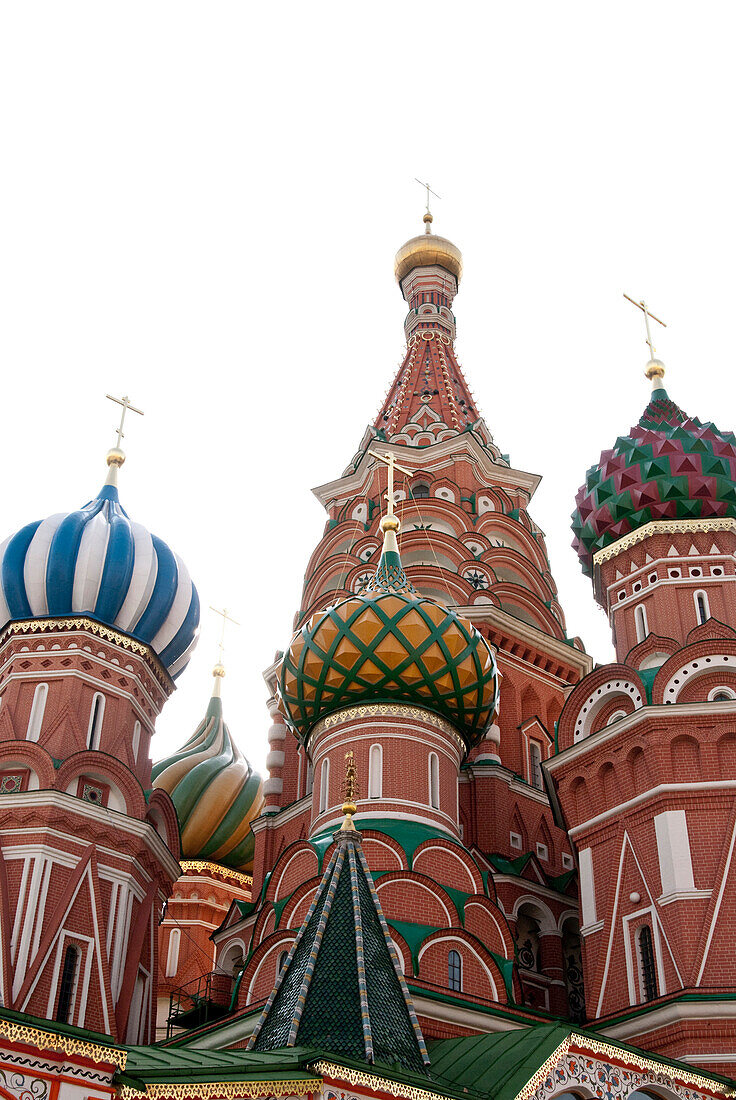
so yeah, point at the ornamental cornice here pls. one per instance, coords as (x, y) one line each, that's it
(662, 527)
(50, 1040)
(388, 710)
(217, 1090)
(435, 458)
(81, 622)
(372, 1081)
(204, 866)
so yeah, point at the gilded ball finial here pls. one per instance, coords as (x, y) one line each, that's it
(654, 369)
(218, 670)
(390, 523)
(115, 457)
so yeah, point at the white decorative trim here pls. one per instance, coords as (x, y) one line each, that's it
(661, 527)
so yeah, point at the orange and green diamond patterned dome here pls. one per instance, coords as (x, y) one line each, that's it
(390, 644)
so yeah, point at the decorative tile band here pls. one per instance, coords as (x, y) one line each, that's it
(661, 527)
(50, 1040)
(371, 1081)
(40, 626)
(215, 869)
(218, 1090)
(388, 710)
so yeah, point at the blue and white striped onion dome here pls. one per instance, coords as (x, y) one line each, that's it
(97, 562)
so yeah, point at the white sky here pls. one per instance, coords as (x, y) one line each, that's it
(200, 206)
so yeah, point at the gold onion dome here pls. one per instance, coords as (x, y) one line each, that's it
(390, 644)
(428, 250)
(215, 791)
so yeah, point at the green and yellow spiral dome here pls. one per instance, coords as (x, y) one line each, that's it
(216, 794)
(390, 644)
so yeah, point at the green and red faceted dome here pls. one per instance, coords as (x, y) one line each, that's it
(669, 466)
(390, 644)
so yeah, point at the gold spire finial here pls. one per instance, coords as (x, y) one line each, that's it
(219, 670)
(116, 455)
(428, 219)
(350, 791)
(654, 370)
(390, 522)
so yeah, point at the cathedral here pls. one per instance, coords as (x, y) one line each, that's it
(480, 866)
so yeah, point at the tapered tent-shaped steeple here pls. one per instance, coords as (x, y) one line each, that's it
(429, 399)
(341, 988)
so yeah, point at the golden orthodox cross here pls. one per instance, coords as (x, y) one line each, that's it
(645, 310)
(226, 618)
(429, 192)
(125, 402)
(390, 461)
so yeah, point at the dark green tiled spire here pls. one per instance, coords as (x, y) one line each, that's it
(341, 988)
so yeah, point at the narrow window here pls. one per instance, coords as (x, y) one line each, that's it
(172, 959)
(535, 765)
(375, 772)
(37, 708)
(324, 786)
(282, 960)
(66, 985)
(95, 721)
(434, 781)
(640, 618)
(310, 778)
(702, 611)
(136, 740)
(454, 971)
(647, 965)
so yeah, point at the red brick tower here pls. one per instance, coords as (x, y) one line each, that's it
(97, 615)
(216, 795)
(646, 774)
(473, 875)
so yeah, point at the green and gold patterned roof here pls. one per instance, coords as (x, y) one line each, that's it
(390, 644)
(215, 792)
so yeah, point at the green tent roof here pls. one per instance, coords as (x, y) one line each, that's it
(341, 988)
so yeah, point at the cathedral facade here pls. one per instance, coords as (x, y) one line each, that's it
(479, 865)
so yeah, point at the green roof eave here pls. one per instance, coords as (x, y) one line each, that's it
(155, 1064)
(497, 1064)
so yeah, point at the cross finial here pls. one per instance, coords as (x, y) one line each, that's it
(390, 460)
(115, 456)
(125, 402)
(428, 215)
(655, 369)
(219, 670)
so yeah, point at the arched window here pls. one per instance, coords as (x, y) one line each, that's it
(721, 695)
(420, 491)
(640, 619)
(37, 708)
(95, 720)
(702, 611)
(67, 984)
(324, 786)
(136, 740)
(310, 778)
(375, 772)
(647, 964)
(282, 960)
(535, 765)
(454, 971)
(434, 781)
(172, 958)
